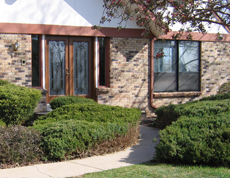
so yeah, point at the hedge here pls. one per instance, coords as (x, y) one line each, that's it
(195, 140)
(167, 114)
(77, 129)
(17, 103)
(66, 100)
(92, 113)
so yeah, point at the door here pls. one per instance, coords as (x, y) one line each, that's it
(69, 67)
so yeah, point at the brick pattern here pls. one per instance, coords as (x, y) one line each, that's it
(10, 60)
(215, 70)
(11, 67)
(129, 71)
(41, 107)
(129, 74)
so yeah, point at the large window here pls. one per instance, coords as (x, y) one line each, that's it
(36, 61)
(179, 68)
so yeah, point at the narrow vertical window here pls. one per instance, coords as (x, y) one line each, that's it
(36, 61)
(102, 61)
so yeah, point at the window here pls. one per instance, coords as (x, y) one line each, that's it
(36, 61)
(179, 68)
(104, 62)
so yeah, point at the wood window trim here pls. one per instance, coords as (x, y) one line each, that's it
(40, 63)
(175, 94)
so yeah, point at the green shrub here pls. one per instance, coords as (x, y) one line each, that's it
(77, 129)
(167, 114)
(19, 144)
(66, 100)
(17, 103)
(4, 82)
(92, 113)
(196, 140)
(216, 97)
(63, 138)
(224, 88)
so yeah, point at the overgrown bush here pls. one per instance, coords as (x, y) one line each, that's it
(77, 129)
(66, 100)
(19, 144)
(167, 114)
(224, 88)
(17, 103)
(196, 140)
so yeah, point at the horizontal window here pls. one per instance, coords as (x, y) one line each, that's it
(178, 66)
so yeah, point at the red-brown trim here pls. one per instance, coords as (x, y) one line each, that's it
(152, 72)
(70, 30)
(176, 94)
(209, 37)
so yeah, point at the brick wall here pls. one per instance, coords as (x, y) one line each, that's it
(10, 60)
(129, 74)
(11, 67)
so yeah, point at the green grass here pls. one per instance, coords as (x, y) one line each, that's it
(154, 170)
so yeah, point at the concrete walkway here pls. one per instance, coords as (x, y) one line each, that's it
(139, 153)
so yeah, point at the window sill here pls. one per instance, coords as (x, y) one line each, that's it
(175, 94)
(102, 89)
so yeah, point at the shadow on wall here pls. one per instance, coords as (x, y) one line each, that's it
(10, 2)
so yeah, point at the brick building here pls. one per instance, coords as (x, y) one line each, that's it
(60, 54)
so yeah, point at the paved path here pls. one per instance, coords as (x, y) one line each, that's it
(139, 153)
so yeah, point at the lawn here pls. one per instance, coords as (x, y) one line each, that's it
(151, 169)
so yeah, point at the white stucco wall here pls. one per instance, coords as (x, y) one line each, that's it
(55, 12)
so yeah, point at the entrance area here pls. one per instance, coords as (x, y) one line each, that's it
(69, 66)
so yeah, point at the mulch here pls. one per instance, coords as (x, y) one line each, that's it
(147, 121)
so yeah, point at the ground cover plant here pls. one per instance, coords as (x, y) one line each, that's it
(66, 100)
(79, 130)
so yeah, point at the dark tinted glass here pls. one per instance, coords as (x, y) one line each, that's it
(35, 61)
